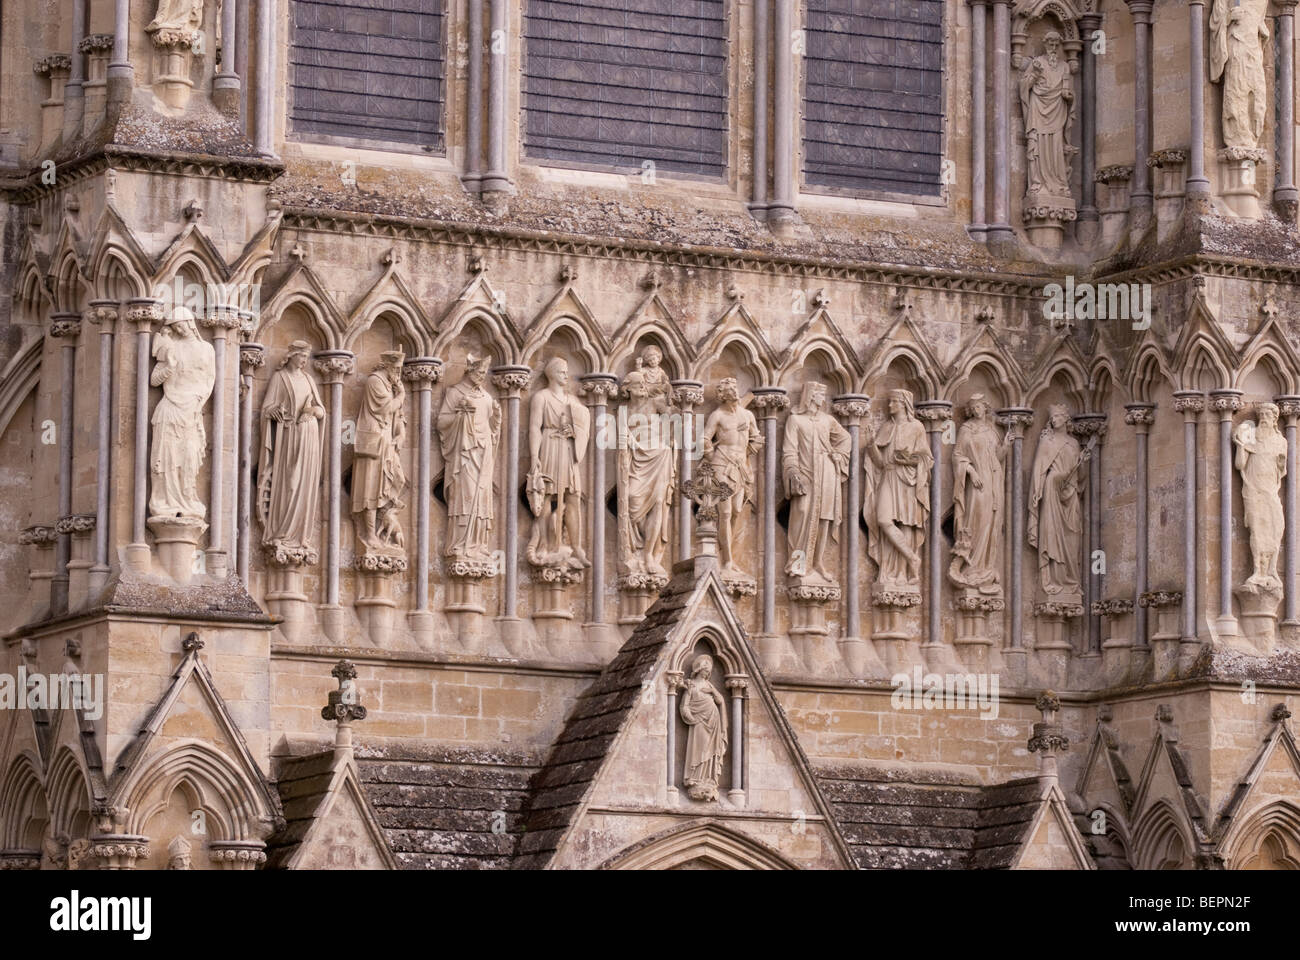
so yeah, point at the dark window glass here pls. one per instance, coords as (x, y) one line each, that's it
(619, 82)
(368, 70)
(873, 95)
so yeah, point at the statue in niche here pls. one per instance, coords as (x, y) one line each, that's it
(179, 854)
(814, 464)
(289, 468)
(377, 475)
(730, 440)
(185, 368)
(558, 428)
(705, 713)
(1055, 515)
(978, 490)
(181, 15)
(1261, 460)
(1238, 30)
(897, 503)
(647, 469)
(1047, 99)
(469, 428)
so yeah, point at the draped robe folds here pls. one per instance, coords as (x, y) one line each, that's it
(1055, 516)
(816, 448)
(1261, 459)
(1237, 56)
(1047, 117)
(177, 15)
(898, 493)
(377, 481)
(179, 439)
(648, 476)
(977, 512)
(289, 468)
(706, 739)
(468, 438)
(565, 426)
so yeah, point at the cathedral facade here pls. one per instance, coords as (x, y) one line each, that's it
(830, 434)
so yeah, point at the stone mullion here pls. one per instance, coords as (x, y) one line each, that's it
(1141, 416)
(104, 313)
(769, 402)
(67, 328)
(1225, 403)
(1190, 403)
(333, 366)
(687, 394)
(251, 357)
(512, 380)
(1289, 408)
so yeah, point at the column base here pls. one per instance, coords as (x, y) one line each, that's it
(177, 541)
(1116, 661)
(514, 634)
(217, 563)
(96, 581)
(602, 640)
(136, 559)
(333, 621)
(375, 605)
(777, 654)
(861, 658)
(421, 624)
(1260, 602)
(286, 598)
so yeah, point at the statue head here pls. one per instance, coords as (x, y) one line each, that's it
(1268, 413)
(813, 397)
(702, 665)
(181, 323)
(297, 356)
(1058, 415)
(557, 371)
(1052, 43)
(178, 854)
(728, 389)
(902, 404)
(651, 357)
(476, 369)
(978, 406)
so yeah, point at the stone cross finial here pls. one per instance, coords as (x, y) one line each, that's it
(344, 706)
(1048, 740)
(192, 642)
(706, 489)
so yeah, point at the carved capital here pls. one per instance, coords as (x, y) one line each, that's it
(381, 563)
(53, 66)
(1015, 419)
(1190, 403)
(1140, 415)
(102, 313)
(674, 680)
(598, 388)
(736, 682)
(1085, 425)
(1112, 608)
(851, 407)
(233, 854)
(65, 325)
(1225, 402)
(511, 380)
(1056, 609)
(252, 356)
(768, 402)
(1242, 155)
(144, 312)
(934, 413)
(75, 524)
(96, 43)
(424, 372)
(1048, 737)
(687, 393)
(38, 535)
(221, 317)
(334, 365)
(1288, 406)
(1115, 173)
(1167, 158)
(1157, 599)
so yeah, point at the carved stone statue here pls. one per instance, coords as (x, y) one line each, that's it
(704, 711)
(185, 368)
(898, 495)
(184, 15)
(814, 463)
(1261, 460)
(1055, 516)
(647, 469)
(730, 440)
(289, 468)
(469, 428)
(377, 475)
(1047, 98)
(1238, 30)
(179, 854)
(558, 429)
(978, 490)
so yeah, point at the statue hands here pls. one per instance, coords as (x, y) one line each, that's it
(795, 486)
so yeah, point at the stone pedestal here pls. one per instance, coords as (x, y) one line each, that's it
(1259, 604)
(1239, 181)
(1113, 201)
(1117, 647)
(1166, 638)
(375, 604)
(285, 594)
(896, 628)
(1170, 186)
(55, 68)
(173, 59)
(39, 540)
(118, 851)
(636, 593)
(421, 624)
(1045, 219)
(973, 645)
(97, 48)
(465, 608)
(553, 605)
(808, 603)
(176, 541)
(1052, 648)
(333, 622)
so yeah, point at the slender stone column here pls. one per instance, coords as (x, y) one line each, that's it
(333, 366)
(781, 210)
(1015, 419)
(599, 388)
(241, 59)
(473, 175)
(1289, 407)
(767, 404)
(67, 328)
(1225, 403)
(935, 413)
(737, 685)
(495, 179)
(762, 18)
(221, 319)
(1000, 228)
(119, 68)
(1191, 404)
(512, 381)
(1088, 24)
(144, 312)
(424, 373)
(851, 408)
(1140, 416)
(74, 92)
(674, 680)
(1140, 200)
(979, 16)
(1085, 426)
(103, 313)
(1285, 194)
(266, 86)
(251, 357)
(1198, 184)
(225, 85)
(687, 395)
